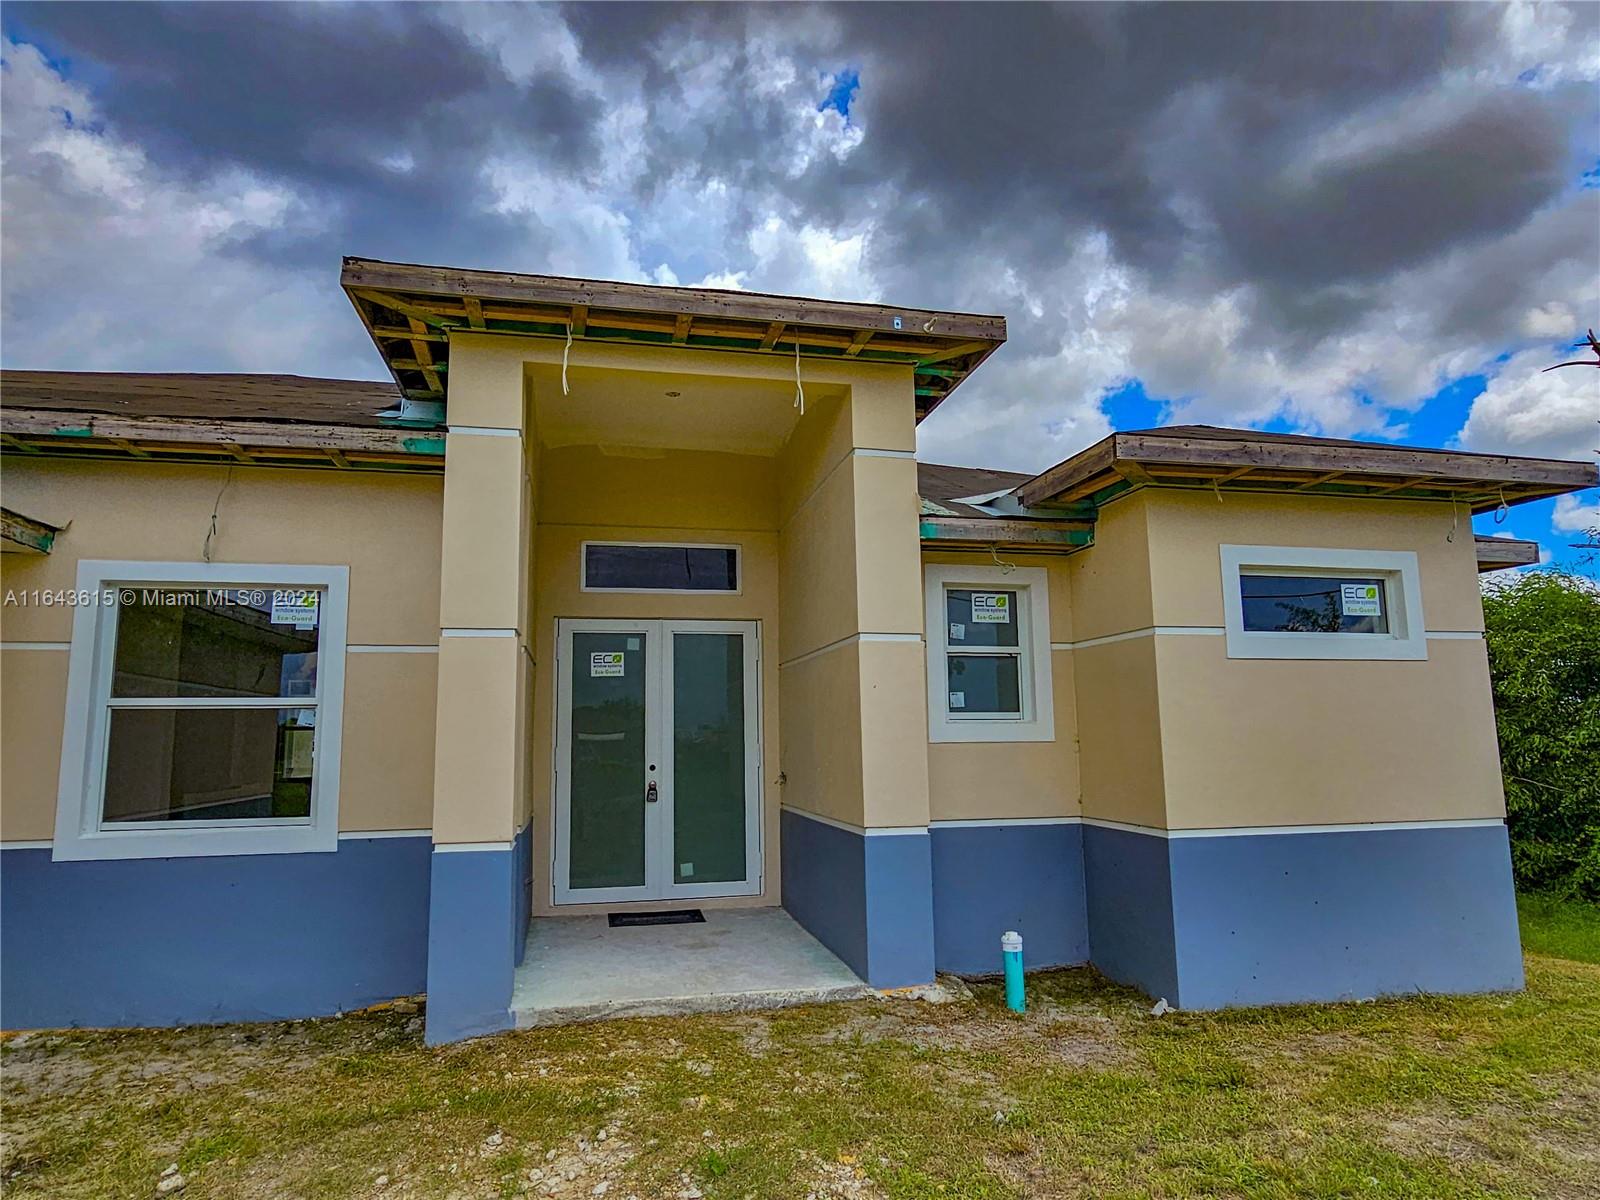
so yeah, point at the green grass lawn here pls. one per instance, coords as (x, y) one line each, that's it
(1564, 928)
(1087, 1095)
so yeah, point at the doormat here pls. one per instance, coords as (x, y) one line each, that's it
(677, 916)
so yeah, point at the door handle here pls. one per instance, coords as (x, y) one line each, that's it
(650, 793)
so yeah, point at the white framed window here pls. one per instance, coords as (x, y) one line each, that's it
(655, 567)
(988, 633)
(204, 705)
(1304, 602)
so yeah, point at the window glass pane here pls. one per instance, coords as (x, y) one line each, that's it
(209, 764)
(606, 840)
(1314, 604)
(984, 684)
(981, 618)
(216, 642)
(674, 568)
(708, 767)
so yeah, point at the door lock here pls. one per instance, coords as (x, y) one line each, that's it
(650, 793)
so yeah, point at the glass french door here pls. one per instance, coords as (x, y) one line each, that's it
(658, 776)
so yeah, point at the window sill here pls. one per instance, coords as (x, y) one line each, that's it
(194, 843)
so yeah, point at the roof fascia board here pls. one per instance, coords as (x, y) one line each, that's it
(373, 275)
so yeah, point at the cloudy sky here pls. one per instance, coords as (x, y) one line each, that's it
(1372, 221)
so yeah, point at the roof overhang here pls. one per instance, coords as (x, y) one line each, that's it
(1498, 553)
(411, 311)
(1308, 466)
(40, 431)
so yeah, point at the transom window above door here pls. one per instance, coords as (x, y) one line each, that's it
(659, 567)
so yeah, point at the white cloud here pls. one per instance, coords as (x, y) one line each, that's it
(1572, 515)
(145, 250)
(1528, 411)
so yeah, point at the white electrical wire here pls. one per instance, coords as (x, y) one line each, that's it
(799, 389)
(566, 350)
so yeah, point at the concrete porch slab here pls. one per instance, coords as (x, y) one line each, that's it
(580, 969)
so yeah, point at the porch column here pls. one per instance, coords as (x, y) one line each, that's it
(479, 898)
(857, 867)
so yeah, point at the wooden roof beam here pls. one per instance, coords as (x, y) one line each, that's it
(579, 319)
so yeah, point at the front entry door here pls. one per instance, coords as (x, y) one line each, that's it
(658, 775)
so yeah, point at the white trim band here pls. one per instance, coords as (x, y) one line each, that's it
(1279, 830)
(45, 845)
(1147, 631)
(866, 452)
(886, 831)
(853, 639)
(35, 645)
(484, 430)
(360, 835)
(1447, 635)
(1000, 822)
(468, 847)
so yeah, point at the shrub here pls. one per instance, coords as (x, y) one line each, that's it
(1544, 657)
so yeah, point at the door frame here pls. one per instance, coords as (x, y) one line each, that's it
(658, 884)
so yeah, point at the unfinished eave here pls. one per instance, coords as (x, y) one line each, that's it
(45, 432)
(411, 311)
(1498, 553)
(24, 535)
(981, 533)
(1237, 463)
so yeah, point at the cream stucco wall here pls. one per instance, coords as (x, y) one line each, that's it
(587, 494)
(1174, 734)
(989, 780)
(385, 527)
(853, 672)
(1296, 742)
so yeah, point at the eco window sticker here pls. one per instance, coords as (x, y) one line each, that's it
(606, 664)
(1360, 600)
(991, 608)
(295, 606)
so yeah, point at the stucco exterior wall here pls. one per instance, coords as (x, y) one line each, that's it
(850, 580)
(990, 780)
(587, 494)
(384, 526)
(1249, 742)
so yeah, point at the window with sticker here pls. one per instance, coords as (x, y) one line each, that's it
(206, 711)
(988, 654)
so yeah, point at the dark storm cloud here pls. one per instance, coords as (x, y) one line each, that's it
(320, 96)
(1311, 154)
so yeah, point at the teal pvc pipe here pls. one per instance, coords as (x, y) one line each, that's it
(1011, 953)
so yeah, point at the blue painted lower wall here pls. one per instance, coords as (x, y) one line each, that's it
(477, 927)
(868, 899)
(523, 849)
(1345, 915)
(991, 878)
(1129, 891)
(1213, 922)
(173, 941)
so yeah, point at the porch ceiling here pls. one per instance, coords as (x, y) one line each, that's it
(611, 407)
(410, 311)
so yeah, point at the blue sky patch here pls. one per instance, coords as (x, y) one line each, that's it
(846, 82)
